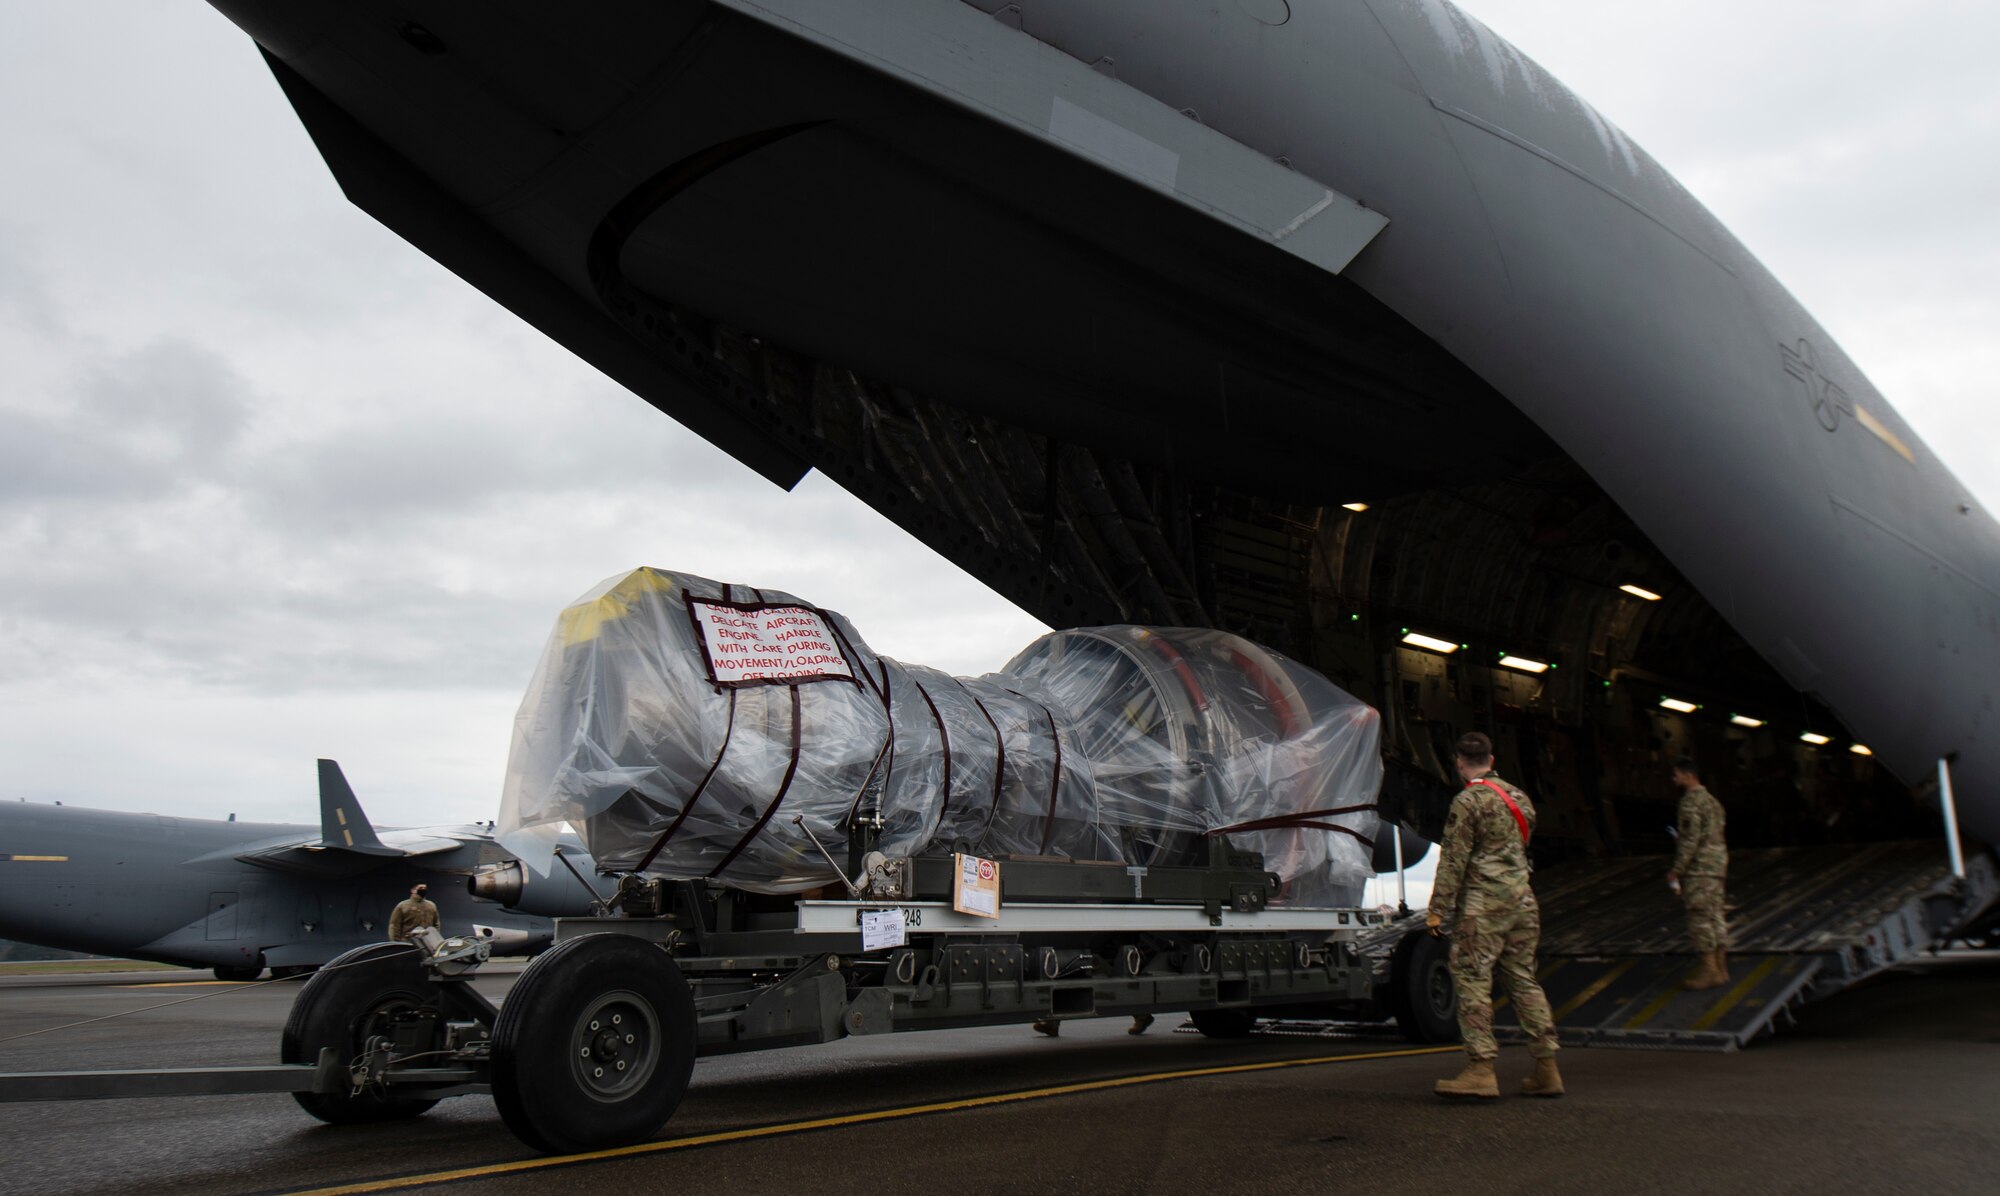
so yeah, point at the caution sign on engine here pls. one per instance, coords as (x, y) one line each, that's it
(764, 644)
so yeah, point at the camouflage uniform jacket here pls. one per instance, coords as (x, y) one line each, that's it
(1702, 851)
(1482, 863)
(408, 915)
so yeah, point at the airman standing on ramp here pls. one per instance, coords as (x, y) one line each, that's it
(1482, 874)
(1700, 867)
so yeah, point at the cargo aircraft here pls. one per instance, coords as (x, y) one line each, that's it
(242, 896)
(1336, 323)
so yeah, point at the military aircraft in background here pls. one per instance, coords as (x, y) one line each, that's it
(242, 896)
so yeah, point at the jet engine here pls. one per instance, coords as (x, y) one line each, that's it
(689, 728)
(558, 894)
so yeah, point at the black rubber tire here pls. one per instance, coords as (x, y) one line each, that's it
(563, 1029)
(1223, 1023)
(1420, 990)
(238, 975)
(291, 970)
(341, 1007)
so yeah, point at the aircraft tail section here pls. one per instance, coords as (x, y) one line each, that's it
(349, 845)
(341, 822)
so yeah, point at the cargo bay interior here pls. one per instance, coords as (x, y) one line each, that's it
(1409, 598)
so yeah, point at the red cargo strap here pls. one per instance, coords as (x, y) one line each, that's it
(1520, 819)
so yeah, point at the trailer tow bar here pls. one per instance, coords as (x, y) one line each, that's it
(330, 1074)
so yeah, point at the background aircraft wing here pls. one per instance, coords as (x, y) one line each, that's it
(349, 844)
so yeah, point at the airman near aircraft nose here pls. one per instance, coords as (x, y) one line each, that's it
(1482, 875)
(1700, 867)
(408, 915)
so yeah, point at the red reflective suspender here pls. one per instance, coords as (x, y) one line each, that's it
(1520, 819)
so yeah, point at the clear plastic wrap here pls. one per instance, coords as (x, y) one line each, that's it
(672, 756)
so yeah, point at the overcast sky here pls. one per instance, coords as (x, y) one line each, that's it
(273, 485)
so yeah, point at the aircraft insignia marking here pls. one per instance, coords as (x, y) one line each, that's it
(1828, 400)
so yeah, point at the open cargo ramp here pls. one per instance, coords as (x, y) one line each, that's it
(1804, 922)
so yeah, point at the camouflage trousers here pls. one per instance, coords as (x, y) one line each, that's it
(1502, 942)
(1708, 928)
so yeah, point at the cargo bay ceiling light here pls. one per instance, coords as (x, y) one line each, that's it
(1677, 704)
(1860, 749)
(1417, 639)
(1355, 506)
(1637, 592)
(1744, 720)
(1524, 664)
(1815, 738)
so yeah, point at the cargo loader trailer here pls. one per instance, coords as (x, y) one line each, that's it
(595, 1043)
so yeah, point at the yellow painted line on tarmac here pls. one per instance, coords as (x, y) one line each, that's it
(519, 1166)
(1592, 989)
(183, 983)
(1742, 990)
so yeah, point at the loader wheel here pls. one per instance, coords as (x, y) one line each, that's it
(1223, 1023)
(1420, 990)
(348, 1002)
(594, 1045)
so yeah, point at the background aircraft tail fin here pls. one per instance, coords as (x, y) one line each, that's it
(341, 822)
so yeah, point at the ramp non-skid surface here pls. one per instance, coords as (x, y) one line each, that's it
(1640, 1000)
(1781, 899)
(1615, 954)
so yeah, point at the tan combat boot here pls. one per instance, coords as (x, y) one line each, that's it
(1718, 966)
(1476, 1080)
(1704, 976)
(1546, 1081)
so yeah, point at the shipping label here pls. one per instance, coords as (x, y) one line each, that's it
(882, 928)
(975, 887)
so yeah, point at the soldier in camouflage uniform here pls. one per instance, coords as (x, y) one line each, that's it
(1700, 867)
(1482, 876)
(411, 914)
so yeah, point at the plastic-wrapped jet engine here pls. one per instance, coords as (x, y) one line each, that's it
(688, 728)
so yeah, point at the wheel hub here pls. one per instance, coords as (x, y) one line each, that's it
(607, 1045)
(1442, 999)
(617, 1045)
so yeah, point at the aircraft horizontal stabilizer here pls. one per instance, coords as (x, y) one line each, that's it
(348, 843)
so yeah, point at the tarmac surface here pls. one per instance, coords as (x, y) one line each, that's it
(1888, 1088)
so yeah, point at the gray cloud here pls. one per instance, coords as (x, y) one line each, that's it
(169, 402)
(134, 425)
